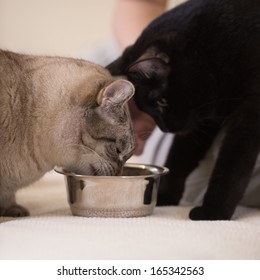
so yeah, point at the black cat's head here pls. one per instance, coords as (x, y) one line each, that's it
(171, 80)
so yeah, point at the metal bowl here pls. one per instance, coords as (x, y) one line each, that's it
(133, 194)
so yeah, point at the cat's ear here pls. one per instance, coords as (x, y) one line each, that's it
(152, 62)
(115, 94)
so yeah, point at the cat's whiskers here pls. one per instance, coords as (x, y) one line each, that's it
(200, 130)
(214, 102)
(86, 148)
(101, 159)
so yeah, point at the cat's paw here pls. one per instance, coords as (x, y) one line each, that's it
(200, 213)
(166, 199)
(14, 211)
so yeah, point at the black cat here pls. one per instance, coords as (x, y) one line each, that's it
(196, 70)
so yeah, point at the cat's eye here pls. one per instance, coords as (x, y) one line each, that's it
(162, 102)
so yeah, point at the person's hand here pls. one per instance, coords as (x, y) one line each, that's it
(143, 126)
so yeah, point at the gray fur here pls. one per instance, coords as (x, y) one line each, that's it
(59, 111)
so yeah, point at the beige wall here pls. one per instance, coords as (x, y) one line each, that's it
(56, 27)
(60, 27)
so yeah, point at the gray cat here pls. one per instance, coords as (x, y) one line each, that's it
(59, 111)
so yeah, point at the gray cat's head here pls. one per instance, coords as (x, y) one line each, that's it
(94, 131)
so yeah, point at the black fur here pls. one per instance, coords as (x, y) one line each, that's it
(203, 58)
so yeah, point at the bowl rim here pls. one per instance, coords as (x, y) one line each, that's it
(161, 170)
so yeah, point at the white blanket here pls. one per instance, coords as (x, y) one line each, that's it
(51, 232)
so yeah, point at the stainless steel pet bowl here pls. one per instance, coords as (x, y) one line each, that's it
(133, 194)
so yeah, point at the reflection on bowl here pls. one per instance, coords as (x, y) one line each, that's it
(133, 194)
